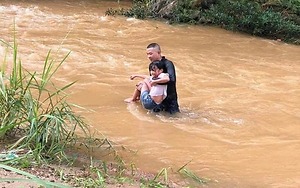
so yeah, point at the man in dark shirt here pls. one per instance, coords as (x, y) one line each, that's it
(170, 104)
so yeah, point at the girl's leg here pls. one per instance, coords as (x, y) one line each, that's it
(136, 94)
(145, 86)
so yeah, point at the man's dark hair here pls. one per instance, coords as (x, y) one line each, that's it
(154, 45)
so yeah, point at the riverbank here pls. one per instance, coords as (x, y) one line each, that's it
(275, 20)
(83, 172)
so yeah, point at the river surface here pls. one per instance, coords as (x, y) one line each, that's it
(239, 95)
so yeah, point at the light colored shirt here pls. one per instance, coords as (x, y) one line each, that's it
(159, 89)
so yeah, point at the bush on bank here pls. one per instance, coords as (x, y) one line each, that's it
(273, 19)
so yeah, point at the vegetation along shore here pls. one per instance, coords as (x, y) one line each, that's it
(272, 19)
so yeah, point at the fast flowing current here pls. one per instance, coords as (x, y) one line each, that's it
(239, 95)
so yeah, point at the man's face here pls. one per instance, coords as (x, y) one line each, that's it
(153, 54)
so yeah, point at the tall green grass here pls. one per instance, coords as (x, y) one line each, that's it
(34, 111)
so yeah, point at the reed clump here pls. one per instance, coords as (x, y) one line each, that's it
(34, 112)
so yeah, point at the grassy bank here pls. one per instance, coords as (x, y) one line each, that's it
(272, 19)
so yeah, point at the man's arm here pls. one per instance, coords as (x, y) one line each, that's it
(161, 80)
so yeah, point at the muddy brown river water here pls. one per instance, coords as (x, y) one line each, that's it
(239, 95)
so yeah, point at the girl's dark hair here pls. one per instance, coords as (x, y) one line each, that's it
(156, 64)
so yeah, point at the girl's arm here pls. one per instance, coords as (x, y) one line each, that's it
(138, 76)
